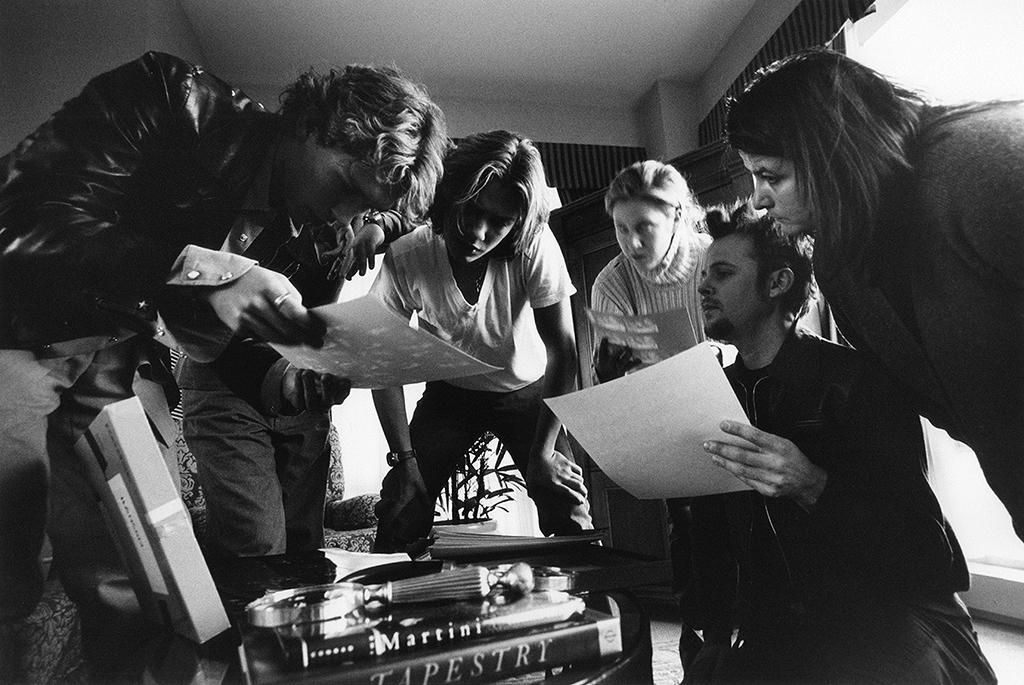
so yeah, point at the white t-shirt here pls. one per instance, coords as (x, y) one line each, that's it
(499, 329)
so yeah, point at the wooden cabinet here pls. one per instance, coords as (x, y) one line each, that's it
(587, 237)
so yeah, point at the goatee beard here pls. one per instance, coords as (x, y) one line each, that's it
(720, 330)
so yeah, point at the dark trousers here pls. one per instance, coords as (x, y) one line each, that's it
(446, 423)
(705, 546)
(861, 639)
(264, 478)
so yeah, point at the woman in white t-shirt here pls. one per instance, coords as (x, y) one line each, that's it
(488, 277)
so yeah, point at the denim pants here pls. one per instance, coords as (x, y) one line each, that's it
(447, 422)
(45, 406)
(264, 478)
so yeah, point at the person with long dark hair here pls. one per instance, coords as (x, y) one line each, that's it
(916, 210)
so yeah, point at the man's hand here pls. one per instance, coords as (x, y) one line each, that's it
(265, 303)
(613, 361)
(404, 512)
(305, 389)
(557, 473)
(363, 249)
(772, 465)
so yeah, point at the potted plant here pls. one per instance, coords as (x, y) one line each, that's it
(483, 483)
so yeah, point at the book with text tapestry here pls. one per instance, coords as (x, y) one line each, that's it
(584, 639)
(472, 623)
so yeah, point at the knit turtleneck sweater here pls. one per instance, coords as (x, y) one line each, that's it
(623, 288)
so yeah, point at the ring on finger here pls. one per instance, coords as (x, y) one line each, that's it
(279, 300)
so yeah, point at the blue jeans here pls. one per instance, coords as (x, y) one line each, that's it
(265, 478)
(45, 406)
(446, 423)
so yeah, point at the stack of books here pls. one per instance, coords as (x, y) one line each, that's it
(465, 642)
(457, 544)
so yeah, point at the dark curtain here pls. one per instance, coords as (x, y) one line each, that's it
(578, 170)
(812, 23)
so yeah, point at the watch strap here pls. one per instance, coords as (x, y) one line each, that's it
(395, 458)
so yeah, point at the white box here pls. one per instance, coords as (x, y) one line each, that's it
(150, 523)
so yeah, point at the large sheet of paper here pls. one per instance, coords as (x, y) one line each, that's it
(375, 347)
(645, 430)
(651, 337)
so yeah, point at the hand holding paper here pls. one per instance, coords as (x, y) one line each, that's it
(649, 337)
(770, 464)
(374, 347)
(646, 430)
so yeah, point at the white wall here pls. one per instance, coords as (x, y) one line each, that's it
(592, 126)
(49, 49)
(670, 119)
(670, 112)
(754, 31)
(542, 122)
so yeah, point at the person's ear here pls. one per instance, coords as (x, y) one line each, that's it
(780, 281)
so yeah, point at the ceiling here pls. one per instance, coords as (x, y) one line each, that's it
(575, 52)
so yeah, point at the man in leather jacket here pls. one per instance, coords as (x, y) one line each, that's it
(848, 570)
(258, 426)
(126, 202)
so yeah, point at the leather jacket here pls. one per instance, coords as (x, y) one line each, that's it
(99, 201)
(877, 530)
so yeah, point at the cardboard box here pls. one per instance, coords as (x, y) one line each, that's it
(150, 523)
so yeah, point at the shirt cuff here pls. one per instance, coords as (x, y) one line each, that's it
(202, 266)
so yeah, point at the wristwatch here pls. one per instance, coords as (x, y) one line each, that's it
(395, 458)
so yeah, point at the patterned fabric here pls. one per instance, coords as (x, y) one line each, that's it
(336, 474)
(191, 493)
(46, 646)
(350, 540)
(353, 513)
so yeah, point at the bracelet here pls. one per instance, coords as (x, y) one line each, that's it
(395, 458)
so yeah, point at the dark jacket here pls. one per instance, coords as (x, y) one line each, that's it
(877, 530)
(97, 203)
(940, 298)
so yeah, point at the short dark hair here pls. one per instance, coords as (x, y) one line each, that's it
(772, 250)
(847, 129)
(380, 117)
(483, 157)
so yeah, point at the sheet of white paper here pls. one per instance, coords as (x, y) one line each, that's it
(347, 563)
(375, 347)
(645, 429)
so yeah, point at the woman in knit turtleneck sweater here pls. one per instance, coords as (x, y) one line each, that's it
(660, 229)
